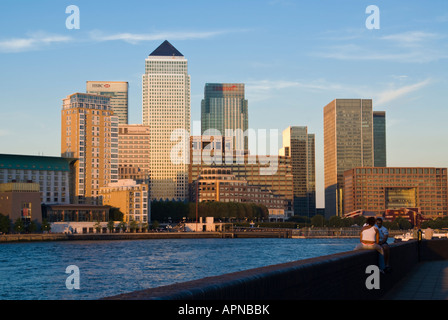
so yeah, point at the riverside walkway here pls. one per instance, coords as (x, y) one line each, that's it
(420, 271)
(427, 281)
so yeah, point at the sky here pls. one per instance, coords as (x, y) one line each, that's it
(294, 57)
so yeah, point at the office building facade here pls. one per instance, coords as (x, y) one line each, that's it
(377, 189)
(130, 197)
(348, 143)
(166, 110)
(220, 184)
(273, 172)
(133, 156)
(118, 93)
(299, 145)
(89, 132)
(52, 174)
(224, 110)
(379, 139)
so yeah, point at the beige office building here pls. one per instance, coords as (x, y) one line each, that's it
(131, 198)
(166, 110)
(348, 143)
(299, 145)
(217, 152)
(133, 156)
(118, 93)
(89, 132)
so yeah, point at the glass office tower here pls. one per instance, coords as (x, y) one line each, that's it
(225, 108)
(166, 110)
(348, 143)
(379, 138)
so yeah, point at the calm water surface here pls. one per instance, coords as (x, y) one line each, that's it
(34, 271)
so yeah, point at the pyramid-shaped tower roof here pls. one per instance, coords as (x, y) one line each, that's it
(166, 49)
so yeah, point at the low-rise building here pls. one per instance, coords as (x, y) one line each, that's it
(76, 218)
(219, 184)
(21, 201)
(52, 174)
(131, 198)
(377, 189)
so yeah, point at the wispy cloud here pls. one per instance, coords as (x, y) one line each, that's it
(412, 38)
(135, 38)
(31, 42)
(392, 94)
(41, 39)
(406, 47)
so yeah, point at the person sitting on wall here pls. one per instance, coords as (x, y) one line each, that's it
(384, 235)
(369, 238)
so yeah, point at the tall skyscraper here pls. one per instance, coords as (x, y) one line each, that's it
(299, 145)
(379, 138)
(89, 132)
(348, 143)
(118, 93)
(224, 107)
(166, 110)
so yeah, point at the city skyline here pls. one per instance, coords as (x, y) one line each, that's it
(295, 62)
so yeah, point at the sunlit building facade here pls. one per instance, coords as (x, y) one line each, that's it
(118, 93)
(166, 110)
(299, 145)
(89, 133)
(377, 189)
(225, 109)
(348, 143)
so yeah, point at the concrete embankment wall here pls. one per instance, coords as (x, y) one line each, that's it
(139, 236)
(339, 276)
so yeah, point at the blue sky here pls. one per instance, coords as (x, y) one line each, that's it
(293, 56)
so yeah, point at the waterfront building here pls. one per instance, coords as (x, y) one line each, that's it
(89, 133)
(133, 152)
(118, 93)
(52, 174)
(299, 145)
(131, 198)
(348, 143)
(166, 110)
(224, 110)
(377, 189)
(220, 184)
(77, 218)
(21, 200)
(379, 139)
(271, 172)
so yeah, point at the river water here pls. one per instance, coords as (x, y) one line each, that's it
(37, 270)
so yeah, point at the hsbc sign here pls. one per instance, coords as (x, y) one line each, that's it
(100, 85)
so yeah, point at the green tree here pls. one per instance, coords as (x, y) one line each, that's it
(97, 226)
(123, 226)
(155, 224)
(45, 226)
(19, 225)
(133, 226)
(32, 227)
(111, 226)
(318, 221)
(335, 222)
(5, 224)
